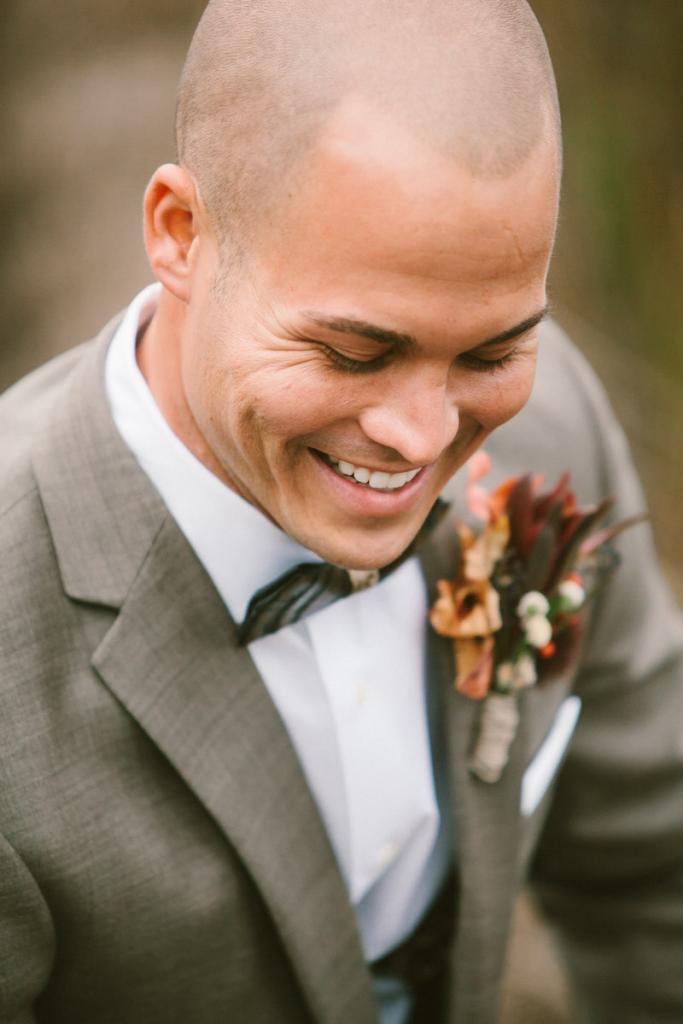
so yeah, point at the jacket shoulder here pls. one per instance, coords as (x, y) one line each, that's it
(23, 408)
(31, 584)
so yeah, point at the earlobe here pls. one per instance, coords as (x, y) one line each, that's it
(171, 228)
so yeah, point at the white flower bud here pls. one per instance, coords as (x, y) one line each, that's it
(505, 675)
(533, 603)
(538, 630)
(524, 672)
(572, 593)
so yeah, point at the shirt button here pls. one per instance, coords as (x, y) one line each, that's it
(387, 854)
(361, 693)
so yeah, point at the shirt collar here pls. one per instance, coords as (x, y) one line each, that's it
(238, 546)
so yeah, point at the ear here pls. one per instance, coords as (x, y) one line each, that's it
(171, 226)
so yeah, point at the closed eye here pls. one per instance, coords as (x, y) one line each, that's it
(474, 362)
(355, 365)
(468, 359)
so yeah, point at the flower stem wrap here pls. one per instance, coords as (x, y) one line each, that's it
(497, 728)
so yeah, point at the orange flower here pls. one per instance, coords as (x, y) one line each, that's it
(468, 610)
(480, 554)
(474, 666)
(468, 607)
(481, 504)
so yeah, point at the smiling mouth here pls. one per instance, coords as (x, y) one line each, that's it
(376, 480)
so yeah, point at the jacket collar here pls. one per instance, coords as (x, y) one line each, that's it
(102, 511)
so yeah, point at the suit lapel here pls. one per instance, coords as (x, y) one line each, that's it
(170, 658)
(485, 823)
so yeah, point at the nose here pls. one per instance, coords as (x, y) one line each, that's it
(417, 417)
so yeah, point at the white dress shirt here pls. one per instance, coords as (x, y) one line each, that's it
(348, 681)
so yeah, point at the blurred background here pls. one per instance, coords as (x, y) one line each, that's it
(87, 105)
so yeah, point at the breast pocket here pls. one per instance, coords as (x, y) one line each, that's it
(548, 756)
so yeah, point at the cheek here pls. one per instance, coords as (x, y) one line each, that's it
(251, 397)
(299, 412)
(268, 409)
(503, 394)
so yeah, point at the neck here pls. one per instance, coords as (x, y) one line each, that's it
(159, 356)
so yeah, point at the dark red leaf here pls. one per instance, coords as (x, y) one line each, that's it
(559, 493)
(519, 511)
(602, 536)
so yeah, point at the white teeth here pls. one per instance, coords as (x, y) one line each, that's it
(397, 480)
(377, 479)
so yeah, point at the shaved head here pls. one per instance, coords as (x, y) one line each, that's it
(470, 78)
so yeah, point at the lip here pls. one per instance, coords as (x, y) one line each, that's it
(364, 500)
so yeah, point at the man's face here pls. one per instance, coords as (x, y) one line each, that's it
(344, 379)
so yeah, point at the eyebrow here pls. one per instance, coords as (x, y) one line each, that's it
(406, 342)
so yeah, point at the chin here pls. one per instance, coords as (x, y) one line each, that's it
(367, 552)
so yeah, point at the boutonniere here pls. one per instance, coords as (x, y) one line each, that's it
(515, 606)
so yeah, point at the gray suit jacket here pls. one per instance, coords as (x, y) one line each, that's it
(161, 858)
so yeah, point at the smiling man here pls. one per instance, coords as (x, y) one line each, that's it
(234, 778)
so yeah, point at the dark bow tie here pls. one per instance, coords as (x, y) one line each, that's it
(312, 586)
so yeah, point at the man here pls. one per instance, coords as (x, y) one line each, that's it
(214, 808)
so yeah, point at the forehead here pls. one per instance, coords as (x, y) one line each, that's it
(376, 209)
(367, 175)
